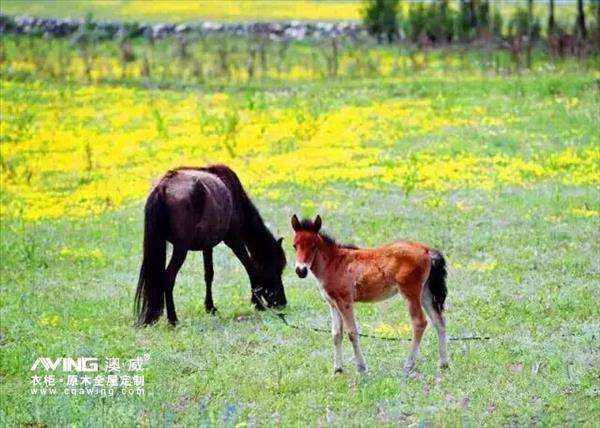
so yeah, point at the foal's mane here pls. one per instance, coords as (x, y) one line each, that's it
(308, 225)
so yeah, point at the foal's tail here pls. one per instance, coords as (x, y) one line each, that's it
(437, 280)
(149, 295)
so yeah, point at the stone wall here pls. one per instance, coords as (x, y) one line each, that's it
(294, 30)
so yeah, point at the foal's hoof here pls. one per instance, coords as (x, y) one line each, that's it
(338, 370)
(362, 369)
(444, 365)
(211, 310)
(174, 322)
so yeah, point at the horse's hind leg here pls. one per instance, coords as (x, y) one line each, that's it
(419, 323)
(440, 325)
(177, 259)
(209, 274)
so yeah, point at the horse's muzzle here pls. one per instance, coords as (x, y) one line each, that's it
(301, 272)
(280, 305)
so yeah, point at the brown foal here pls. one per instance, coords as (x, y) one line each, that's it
(347, 274)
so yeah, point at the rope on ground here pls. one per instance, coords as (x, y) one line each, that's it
(281, 316)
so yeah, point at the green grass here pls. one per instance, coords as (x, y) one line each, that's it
(539, 305)
(538, 302)
(158, 62)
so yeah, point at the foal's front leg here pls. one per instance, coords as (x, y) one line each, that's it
(347, 313)
(336, 332)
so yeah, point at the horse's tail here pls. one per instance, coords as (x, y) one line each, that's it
(437, 280)
(149, 295)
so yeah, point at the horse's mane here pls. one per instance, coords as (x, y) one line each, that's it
(261, 243)
(308, 225)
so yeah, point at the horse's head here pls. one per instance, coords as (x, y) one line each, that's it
(270, 269)
(306, 242)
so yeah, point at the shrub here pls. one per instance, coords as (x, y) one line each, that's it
(497, 23)
(518, 26)
(381, 18)
(434, 20)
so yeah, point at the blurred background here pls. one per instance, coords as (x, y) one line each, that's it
(185, 42)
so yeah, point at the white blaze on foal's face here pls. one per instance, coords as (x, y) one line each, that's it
(305, 243)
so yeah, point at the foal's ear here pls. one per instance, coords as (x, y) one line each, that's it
(279, 241)
(317, 223)
(295, 222)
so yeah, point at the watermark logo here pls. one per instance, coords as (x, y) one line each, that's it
(89, 376)
(68, 364)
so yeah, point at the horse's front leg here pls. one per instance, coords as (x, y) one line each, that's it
(347, 312)
(239, 249)
(209, 274)
(337, 334)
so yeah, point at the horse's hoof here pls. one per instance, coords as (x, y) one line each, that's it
(211, 310)
(408, 368)
(174, 322)
(338, 370)
(362, 369)
(444, 365)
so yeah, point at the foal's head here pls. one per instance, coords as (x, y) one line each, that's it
(306, 242)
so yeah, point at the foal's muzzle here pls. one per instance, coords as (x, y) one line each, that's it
(302, 272)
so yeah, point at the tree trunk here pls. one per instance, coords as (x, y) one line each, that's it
(580, 23)
(598, 27)
(529, 32)
(473, 14)
(551, 21)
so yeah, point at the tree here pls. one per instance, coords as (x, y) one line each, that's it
(529, 31)
(580, 21)
(597, 24)
(551, 20)
(381, 18)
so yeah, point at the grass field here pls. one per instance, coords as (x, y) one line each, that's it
(500, 173)
(237, 10)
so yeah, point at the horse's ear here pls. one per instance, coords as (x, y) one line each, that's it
(295, 222)
(279, 241)
(317, 223)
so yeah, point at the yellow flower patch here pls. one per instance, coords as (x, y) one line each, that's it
(100, 148)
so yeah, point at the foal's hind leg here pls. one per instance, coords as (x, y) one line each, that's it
(209, 274)
(440, 325)
(177, 259)
(419, 323)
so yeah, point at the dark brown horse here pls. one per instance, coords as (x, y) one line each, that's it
(195, 209)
